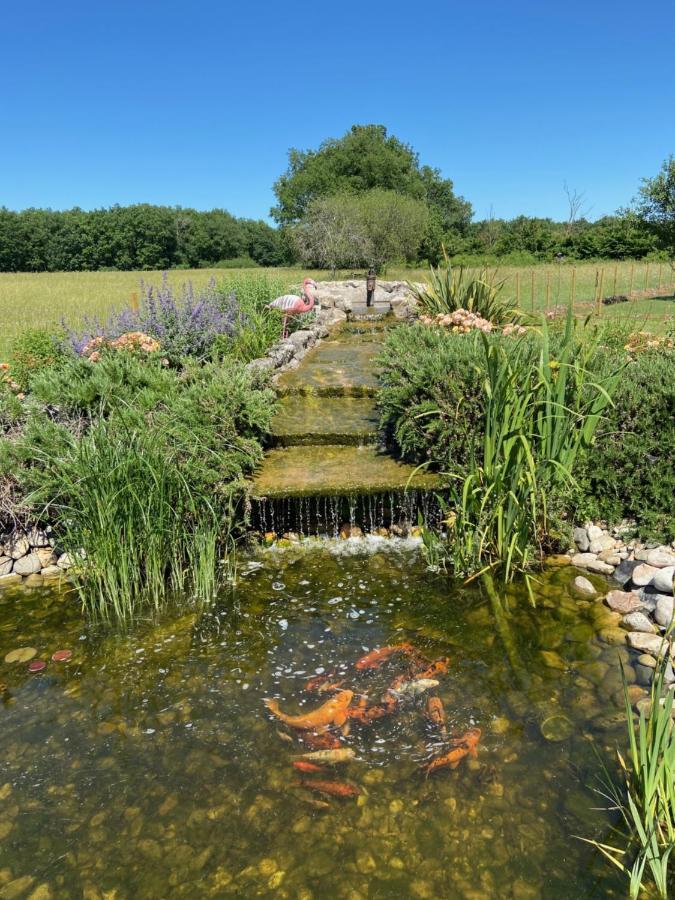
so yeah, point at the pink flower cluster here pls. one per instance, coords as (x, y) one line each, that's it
(461, 321)
(131, 340)
(6, 378)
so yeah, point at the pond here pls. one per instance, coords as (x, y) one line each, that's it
(148, 766)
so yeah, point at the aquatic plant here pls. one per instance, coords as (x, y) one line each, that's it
(446, 290)
(644, 792)
(541, 410)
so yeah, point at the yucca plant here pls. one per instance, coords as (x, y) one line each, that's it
(447, 289)
(644, 792)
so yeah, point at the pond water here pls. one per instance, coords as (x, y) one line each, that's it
(148, 766)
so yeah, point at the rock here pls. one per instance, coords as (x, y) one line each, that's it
(65, 561)
(650, 643)
(41, 892)
(350, 531)
(33, 580)
(646, 659)
(583, 586)
(46, 556)
(262, 365)
(611, 557)
(365, 862)
(643, 675)
(6, 580)
(623, 602)
(638, 621)
(52, 572)
(16, 888)
(643, 575)
(594, 532)
(18, 547)
(37, 538)
(615, 637)
(300, 338)
(580, 537)
(28, 565)
(664, 610)
(624, 570)
(661, 558)
(6, 563)
(604, 542)
(553, 660)
(591, 562)
(663, 580)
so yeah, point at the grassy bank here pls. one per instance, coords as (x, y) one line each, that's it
(29, 300)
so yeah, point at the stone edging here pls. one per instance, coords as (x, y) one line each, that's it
(31, 557)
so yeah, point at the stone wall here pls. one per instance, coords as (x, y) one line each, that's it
(31, 557)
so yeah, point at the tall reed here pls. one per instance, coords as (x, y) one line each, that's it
(540, 409)
(644, 792)
(150, 532)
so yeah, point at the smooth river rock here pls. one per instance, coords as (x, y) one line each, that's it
(661, 558)
(583, 586)
(664, 610)
(643, 575)
(638, 621)
(580, 538)
(591, 562)
(623, 602)
(646, 643)
(28, 565)
(663, 580)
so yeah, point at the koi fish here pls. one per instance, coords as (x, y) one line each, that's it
(437, 667)
(303, 766)
(415, 687)
(322, 683)
(324, 741)
(333, 712)
(466, 745)
(377, 658)
(436, 713)
(332, 788)
(340, 755)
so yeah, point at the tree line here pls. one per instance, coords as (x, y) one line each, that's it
(133, 237)
(359, 200)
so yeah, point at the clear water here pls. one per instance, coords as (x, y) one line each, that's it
(147, 766)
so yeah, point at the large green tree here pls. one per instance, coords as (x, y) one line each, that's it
(364, 159)
(656, 205)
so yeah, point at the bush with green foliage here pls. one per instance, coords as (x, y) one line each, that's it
(141, 465)
(33, 351)
(433, 408)
(446, 290)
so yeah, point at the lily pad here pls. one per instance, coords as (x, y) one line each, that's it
(556, 728)
(62, 655)
(20, 655)
(37, 665)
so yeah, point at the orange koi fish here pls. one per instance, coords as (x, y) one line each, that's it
(333, 712)
(436, 713)
(466, 745)
(377, 658)
(437, 667)
(332, 788)
(321, 683)
(303, 766)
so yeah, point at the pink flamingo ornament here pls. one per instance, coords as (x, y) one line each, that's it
(291, 305)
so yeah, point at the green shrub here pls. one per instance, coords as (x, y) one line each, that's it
(239, 262)
(144, 468)
(33, 351)
(433, 409)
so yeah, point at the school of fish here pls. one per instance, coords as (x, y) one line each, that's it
(321, 731)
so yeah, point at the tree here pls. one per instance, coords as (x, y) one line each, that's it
(364, 159)
(656, 205)
(373, 228)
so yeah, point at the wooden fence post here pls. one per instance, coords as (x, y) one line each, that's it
(532, 287)
(573, 285)
(518, 289)
(616, 276)
(548, 290)
(632, 276)
(647, 277)
(602, 279)
(660, 274)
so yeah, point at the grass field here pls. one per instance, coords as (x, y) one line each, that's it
(45, 298)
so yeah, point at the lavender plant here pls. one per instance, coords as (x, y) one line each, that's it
(185, 322)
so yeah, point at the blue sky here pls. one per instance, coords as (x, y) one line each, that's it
(197, 103)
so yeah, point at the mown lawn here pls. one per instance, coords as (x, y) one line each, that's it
(45, 298)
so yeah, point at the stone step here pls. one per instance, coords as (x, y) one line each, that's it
(325, 420)
(335, 368)
(331, 470)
